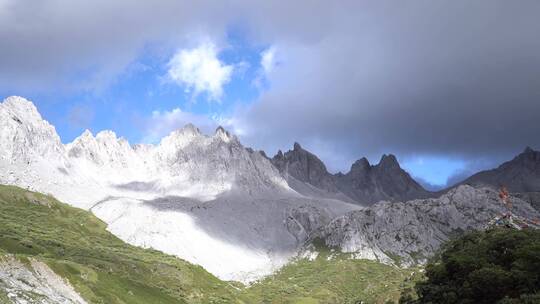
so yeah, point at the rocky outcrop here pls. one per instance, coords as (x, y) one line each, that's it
(410, 232)
(34, 282)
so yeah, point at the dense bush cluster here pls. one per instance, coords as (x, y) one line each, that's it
(496, 266)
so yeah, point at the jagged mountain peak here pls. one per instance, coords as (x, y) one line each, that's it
(309, 159)
(528, 150)
(187, 130)
(529, 154)
(189, 127)
(360, 165)
(224, 135)
(24, 132)
(301, 166)
(179, 138)
(389, 161)
(86, 134)
(21, 105)
(22, 110)
(106, 135)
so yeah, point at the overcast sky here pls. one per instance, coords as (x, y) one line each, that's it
(449, 87)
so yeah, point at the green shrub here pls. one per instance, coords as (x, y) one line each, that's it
(496, 266)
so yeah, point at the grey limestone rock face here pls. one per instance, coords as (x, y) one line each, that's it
(412, 231)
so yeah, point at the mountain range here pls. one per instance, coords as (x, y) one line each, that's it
(240, 214)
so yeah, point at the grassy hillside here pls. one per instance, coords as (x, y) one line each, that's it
(104, 269)
(101, 267)
(333, 278)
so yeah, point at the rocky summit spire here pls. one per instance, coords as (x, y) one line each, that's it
(389, 161)
(21, 105)
(305, 167)
(223, 134)
(190, 129)
(361, 165)
(24, 133)
(528, 150)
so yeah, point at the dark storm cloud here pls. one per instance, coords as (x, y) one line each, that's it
(450, 78)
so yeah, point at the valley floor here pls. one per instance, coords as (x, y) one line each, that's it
(333, 278)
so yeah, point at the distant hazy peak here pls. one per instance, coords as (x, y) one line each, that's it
(86, 134)
(521, 174)
(528, 150)
(188, 130)
(529, 153)
(106, 135)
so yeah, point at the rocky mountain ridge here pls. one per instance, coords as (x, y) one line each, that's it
(191, 195)
(521, 174)
(240, 215)
(364, 184)
(184, 163)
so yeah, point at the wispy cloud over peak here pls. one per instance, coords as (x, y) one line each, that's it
(268, 63)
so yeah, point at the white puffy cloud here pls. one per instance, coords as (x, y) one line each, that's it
(200, 70)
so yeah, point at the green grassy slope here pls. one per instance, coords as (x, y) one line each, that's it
(333, 278)
(101, 267)
(104, 269)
